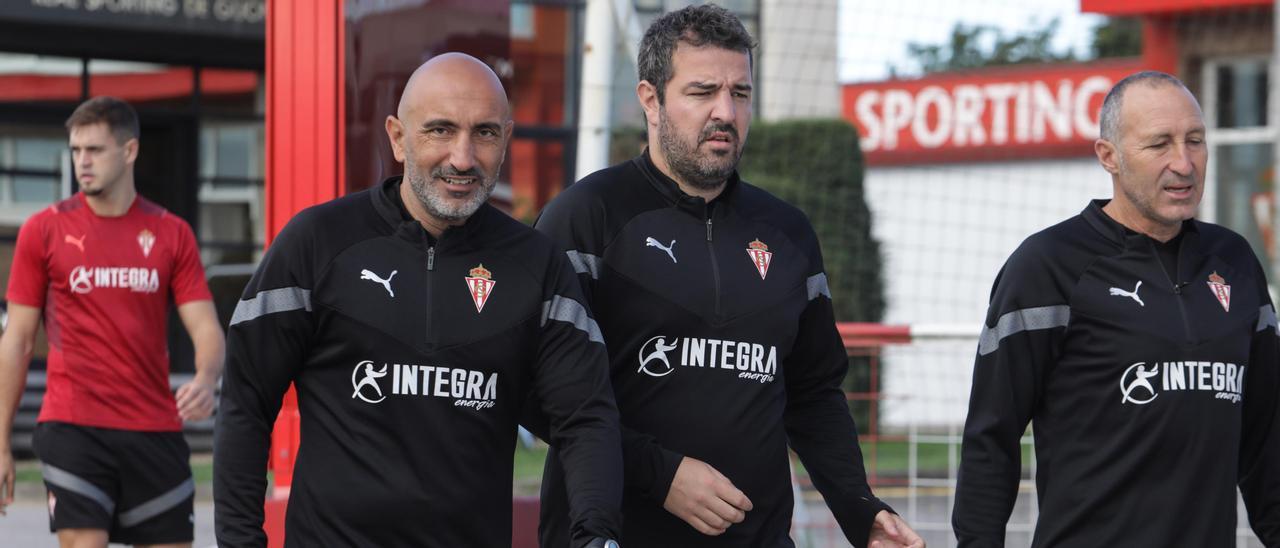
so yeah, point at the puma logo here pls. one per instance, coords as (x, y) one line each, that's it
(650, 242)
(386, 284)
(78, 242)
(1117, 292)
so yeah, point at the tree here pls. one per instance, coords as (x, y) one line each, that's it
(1117, 37)
(974, 46)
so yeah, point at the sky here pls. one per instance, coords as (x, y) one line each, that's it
(875, 33)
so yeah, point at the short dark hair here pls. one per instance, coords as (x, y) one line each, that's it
(117, 114)
(1109, 117)
(705, 25)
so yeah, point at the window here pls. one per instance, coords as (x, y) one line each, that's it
(231, 191)
(31, 170)
(1240, 185)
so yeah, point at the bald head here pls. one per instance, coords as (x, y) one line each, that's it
(451, 132)
(452, 75)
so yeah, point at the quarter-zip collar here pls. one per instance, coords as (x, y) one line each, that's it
(387, 202)
(669, 189)
(1128, 239)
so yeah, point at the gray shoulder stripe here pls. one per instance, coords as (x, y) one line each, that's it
(817, 285)
(1267, 318)
(584, 263)
(158, 505)
(1017, 321)
(272, 301)
(78, 485)
(571, 312)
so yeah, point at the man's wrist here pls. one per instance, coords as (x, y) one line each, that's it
(208, 380)
(601, 542)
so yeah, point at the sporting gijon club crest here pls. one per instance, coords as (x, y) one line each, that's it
(1220, 290)
(480, 283)
(760, 256)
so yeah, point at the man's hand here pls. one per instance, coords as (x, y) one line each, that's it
(701, 496)
(889, 531)
(7, 479)
(195, 400)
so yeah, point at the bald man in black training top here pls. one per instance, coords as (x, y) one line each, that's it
(414, 319)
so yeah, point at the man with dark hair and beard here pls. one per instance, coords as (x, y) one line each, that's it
(714, 305)
(411, 365)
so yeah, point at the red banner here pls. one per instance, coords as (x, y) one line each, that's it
(1038, 111)
(1153, 7)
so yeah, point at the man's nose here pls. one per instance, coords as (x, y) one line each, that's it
(1182, 164)
(724, 109)
(462, 153)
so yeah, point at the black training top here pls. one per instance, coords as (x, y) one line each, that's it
(722, 346)
(412, 358)
(1152, 391)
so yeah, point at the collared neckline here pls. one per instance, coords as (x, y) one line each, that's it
(389, 205)
(670, 190)
(1112, 230)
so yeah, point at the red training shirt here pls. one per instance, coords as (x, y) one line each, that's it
(104, 284)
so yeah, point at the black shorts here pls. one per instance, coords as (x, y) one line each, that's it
(135, 485)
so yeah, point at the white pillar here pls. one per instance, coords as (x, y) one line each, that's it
(597, 75)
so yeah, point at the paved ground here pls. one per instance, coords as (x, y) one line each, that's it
(27, 522)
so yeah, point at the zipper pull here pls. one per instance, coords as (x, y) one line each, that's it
(708, 229)
(431, 258)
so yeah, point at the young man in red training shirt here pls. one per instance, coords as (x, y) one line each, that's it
(101, 267)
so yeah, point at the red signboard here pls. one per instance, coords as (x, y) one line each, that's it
(983, 115)
(1153, 7)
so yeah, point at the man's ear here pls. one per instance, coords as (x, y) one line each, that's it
(395, 132)
(130, 151)
(647, 94)
(1108, 155)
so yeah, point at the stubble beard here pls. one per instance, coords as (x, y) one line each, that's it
(1146, 205)
(684, 160)
(431, 193)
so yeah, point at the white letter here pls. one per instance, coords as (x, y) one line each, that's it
(1086, 120)
(864, 109)
(726, 354)
(475, 380)
(1056, 111)
(1022, 113)
(442, 382)
(936, 137)
(491, 388)
(697, 349)
(457, 383)
(999, 94)
(897, 115)
(969, 107)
